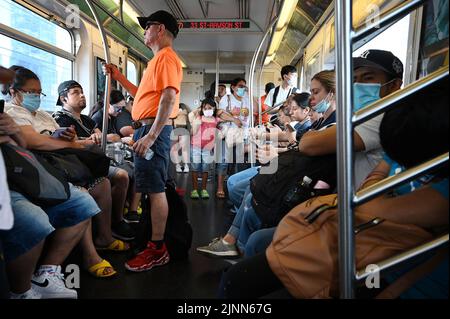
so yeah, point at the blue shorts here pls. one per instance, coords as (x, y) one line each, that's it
(32, 224)
(201, 160)
(151, 176)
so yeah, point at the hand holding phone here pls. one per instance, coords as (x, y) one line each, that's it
(2, 106)
(59, 132)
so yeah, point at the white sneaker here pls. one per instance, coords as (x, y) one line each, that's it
(51, 285)
(179, 169)
(30, 294)
(186, 168)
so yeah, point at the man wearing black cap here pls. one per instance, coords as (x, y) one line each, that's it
(155, 106)
(376, 74)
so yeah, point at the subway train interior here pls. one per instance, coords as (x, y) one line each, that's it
(224, 149)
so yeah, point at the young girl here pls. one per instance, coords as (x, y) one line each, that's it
(203, 139)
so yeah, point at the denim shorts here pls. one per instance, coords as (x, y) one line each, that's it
(151, 176)
(201, 160)
(32, 224)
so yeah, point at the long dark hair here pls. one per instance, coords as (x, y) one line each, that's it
(22, 76)
(210, 102)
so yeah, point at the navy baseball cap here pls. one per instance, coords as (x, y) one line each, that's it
(64, 87)
(382, 60)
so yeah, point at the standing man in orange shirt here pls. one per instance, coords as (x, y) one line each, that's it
(155, 106)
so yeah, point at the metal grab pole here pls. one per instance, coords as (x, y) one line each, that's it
(344, 84)
(108, 77)
(252, 78)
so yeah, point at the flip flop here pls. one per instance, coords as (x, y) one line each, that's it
(220, 195)
(98, 270)
(117, 246)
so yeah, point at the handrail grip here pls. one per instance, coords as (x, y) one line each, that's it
(391, 182)
(394, 14)
(381, 106)
(393, 261)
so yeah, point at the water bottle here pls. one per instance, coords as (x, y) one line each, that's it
(299, 193)
(149, 154)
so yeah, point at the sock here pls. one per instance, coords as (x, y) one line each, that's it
(158, 243)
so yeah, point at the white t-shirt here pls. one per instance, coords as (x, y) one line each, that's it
(42, 122)
(367, 160)
(6, 214)
(281, 97)
(239, 109)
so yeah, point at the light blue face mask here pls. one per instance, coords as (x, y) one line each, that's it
(323, 106)
(240, 92)
(366, 93)
(32, 102)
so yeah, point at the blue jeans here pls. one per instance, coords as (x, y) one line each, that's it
(32, 224)
(245, 222)
(259, 241)
(238, 183)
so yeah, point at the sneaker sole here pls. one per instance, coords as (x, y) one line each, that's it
(218, 254)
(164, 260)
(45, 295)
(131, 221)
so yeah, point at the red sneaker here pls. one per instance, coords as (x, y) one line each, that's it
(148, 258)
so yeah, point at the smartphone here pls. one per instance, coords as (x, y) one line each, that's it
(2, 106)
(59, 132)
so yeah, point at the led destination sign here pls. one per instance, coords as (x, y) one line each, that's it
(234, 25)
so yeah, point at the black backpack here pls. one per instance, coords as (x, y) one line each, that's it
(273, 193)
(33, 177)
(178, 234)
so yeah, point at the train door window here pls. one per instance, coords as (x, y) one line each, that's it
(434, 38)
(313, 66)
(48, 64)
(132, 72)
(101, 80)
(394, 39)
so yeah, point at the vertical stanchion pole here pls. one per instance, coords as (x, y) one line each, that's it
(108, 77)
(344, 85)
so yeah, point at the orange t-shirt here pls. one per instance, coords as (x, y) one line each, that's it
(163, 71)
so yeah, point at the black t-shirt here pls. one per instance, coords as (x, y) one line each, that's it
(319, 124)
(123, 119)
(84, 128)
(98, 118)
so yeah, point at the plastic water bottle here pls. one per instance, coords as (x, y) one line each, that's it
(149, 154)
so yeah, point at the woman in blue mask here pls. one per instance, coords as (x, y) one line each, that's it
(26, 90)
(323, 88)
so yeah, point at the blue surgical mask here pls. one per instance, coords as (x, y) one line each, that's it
(32, 102)
(366, 93)
(240, 92)
(323, 106)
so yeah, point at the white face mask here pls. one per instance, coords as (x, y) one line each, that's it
(293, 81)
(208, 113)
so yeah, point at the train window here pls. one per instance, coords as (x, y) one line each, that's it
(132, 72)
(50, 68)
(21, 19)
(434, 40)
(393, 39)
(313, 66)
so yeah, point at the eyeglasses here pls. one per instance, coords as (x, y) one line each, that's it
(34, 92)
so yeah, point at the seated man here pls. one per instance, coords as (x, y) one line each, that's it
(23, 244)
(73, 102)
(382, 70)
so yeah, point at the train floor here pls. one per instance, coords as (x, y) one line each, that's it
(197, 277)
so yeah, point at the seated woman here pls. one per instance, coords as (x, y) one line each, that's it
(419, 123)
(24, 242)
(24, 109)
